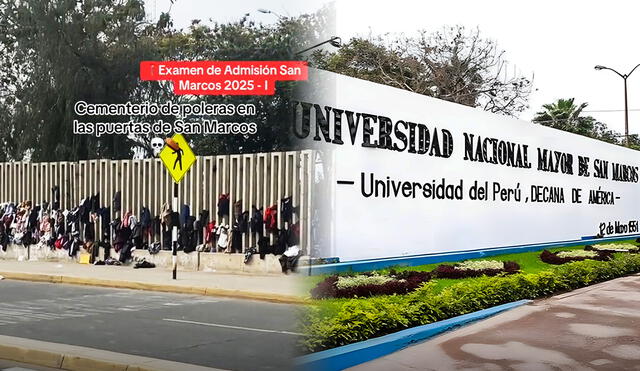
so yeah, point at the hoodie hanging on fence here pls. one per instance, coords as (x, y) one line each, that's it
(223, 205)
(136, 235)
(4, 237)
(55, 196)
(116, 202)
(188, 236)
(223, 237)
(237, 207)
(257, 222)
(286, 210)
(156, 223)
(204, 217)
(236, 242)
(145, 217)
(293, 234)
(200, 226)
(105, 218)
(263, 247)
(241, 221)
(83, 210)
(210, 232)
(126, 218)
(89, 232)
(165, 214)
(146, 223)
(185, 213)
(95, 203)
(281, 242)
(271, 219)
(33, 218)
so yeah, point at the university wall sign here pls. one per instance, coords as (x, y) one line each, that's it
(408, 174)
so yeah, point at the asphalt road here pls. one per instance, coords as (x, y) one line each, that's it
(215, 332)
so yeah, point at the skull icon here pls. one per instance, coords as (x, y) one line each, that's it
(156, 146)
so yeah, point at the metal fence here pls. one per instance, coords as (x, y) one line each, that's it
(260, 179)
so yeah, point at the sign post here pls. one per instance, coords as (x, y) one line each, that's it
(178, 158)
(174, 234)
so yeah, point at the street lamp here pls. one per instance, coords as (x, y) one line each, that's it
(626, 108)
(335, 41)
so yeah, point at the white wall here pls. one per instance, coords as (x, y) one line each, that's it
(364, 228)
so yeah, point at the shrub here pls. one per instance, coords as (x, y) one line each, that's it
(325, 288)
(362, 319)
(557, 259)
(613, 247)
(482, 268)
(346, 282)
(370, 284)
(474, 265)
(577, 254)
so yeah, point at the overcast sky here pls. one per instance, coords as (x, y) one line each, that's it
(558, 41)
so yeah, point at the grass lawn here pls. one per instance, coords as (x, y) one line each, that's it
(529, 263)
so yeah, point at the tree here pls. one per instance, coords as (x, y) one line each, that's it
(58, 52)
(634, 141)
(67, 51)
(237, 40)
(452, 64)
(565, 115)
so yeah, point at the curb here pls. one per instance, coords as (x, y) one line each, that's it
(74, 358)
(205, 291)
(354, 354)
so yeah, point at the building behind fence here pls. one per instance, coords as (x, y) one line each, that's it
(260, 179)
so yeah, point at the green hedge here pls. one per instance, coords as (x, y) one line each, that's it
(362, 319)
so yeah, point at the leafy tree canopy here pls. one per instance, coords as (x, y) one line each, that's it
(55, 53)
(453, 64)
(565, 115)
(60, 52)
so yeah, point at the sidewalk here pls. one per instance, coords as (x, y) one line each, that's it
(275, 288)
(70, 357)
(593, 328)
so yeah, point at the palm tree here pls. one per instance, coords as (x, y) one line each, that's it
(563, 115)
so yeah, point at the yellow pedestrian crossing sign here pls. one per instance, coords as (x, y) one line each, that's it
(177, 157)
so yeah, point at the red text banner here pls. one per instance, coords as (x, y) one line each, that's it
(223, 77)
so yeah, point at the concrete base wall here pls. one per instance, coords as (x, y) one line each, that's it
(215, 262)
(195, 261)
(35, 252)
